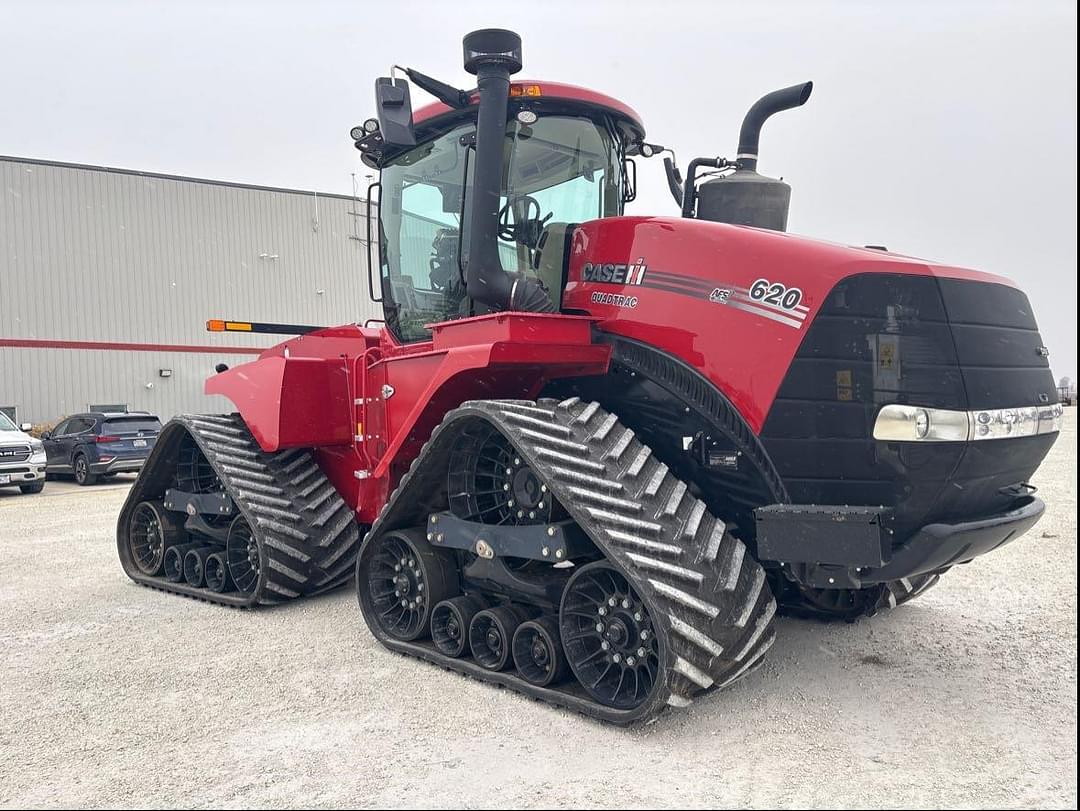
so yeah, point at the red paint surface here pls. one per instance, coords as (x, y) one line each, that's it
(325, 389)
(744, 354)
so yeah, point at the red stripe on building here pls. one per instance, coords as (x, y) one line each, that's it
(32, 343)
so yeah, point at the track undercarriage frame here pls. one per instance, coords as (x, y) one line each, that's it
(654, 600)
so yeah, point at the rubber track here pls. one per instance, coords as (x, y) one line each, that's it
(307, 535)
(704, 589)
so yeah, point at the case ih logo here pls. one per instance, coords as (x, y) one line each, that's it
(615, 274)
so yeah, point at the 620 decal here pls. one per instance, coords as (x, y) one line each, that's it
(775, 293)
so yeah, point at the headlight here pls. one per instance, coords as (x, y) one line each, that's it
(902, 423)
(36, 446)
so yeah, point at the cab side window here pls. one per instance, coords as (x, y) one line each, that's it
(62, 429)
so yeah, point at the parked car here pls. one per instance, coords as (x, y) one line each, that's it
(100, 444)
(22, 458)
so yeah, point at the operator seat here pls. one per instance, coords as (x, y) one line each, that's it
(552, 256)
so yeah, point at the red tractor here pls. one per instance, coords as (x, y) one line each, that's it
(589, 456)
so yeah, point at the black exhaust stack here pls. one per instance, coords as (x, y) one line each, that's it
(745, 197)
(492, 55)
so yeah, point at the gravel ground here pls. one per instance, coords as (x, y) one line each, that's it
(116, 695)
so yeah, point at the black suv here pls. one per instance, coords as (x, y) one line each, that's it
(100, 444)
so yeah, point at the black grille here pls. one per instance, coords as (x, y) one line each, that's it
(14, 453)
(998, 346)
(942, 343)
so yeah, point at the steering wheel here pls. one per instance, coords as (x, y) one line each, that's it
(443, 264)
(526, 229)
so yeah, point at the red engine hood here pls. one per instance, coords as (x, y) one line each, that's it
(732, 301)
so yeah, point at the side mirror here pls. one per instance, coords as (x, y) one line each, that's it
(25, 427)
(675, 180)
(46, 435)
(394, 110)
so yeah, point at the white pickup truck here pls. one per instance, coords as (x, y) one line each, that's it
(22, 458)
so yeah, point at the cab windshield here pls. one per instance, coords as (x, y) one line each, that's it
(558, 171)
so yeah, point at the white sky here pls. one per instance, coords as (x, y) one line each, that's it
(945, 130)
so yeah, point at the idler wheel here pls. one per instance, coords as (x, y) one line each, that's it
(405, 577)
(151, 530)
(243, 557)
(609, 637)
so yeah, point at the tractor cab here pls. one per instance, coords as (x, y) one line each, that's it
(558, 169)
(503, 201)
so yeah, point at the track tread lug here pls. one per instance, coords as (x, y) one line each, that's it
(601, 433)
(286, 548)
(332, 509)
(639, 461)
(587, 413)
(653, 485)
(287, 571)
(674, 499)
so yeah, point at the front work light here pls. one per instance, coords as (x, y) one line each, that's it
(904, 423)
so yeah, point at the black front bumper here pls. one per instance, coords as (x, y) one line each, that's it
(851, 547)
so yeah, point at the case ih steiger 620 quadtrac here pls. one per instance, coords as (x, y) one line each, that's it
(590, 456)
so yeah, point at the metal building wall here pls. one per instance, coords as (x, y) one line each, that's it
(134, 264)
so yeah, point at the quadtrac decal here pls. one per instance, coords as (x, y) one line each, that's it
(633, 274)
(614, 299)
(764, 298)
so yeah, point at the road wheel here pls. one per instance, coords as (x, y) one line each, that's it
(83, 474)
(36, 487)
(538, 652)
(450, 621)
